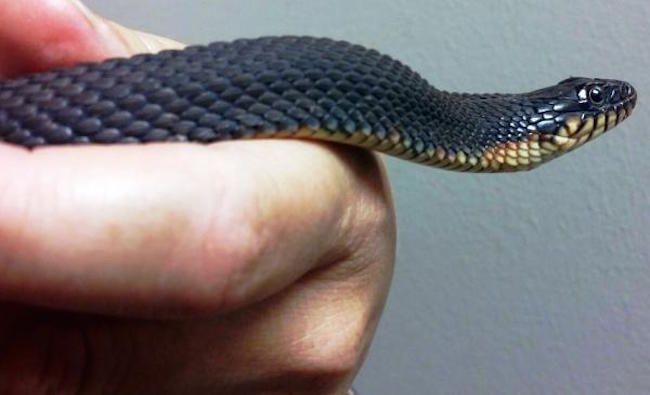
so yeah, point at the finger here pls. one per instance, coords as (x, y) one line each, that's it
(37, 35)
(174, 228)
(112, 235)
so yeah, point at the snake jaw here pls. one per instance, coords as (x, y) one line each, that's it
(578, 130)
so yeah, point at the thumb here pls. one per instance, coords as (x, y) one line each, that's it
(37, 35)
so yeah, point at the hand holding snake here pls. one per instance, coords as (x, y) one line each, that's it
(182, 268)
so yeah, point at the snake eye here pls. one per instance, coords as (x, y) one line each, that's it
(596, 95)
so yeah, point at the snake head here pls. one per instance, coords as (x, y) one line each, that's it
(543, 124)
(579, 109)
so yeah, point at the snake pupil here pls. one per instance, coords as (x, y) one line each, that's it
(596, 95)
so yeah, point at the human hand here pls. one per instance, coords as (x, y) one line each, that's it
(234, 268)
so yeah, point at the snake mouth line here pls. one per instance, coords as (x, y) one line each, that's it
(578, 130)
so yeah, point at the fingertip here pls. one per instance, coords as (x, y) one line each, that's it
(37, 35)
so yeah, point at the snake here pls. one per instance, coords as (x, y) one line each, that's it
(306, 88)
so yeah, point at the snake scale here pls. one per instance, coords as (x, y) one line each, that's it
(311, 88)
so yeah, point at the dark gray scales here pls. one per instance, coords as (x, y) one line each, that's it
(229, 90)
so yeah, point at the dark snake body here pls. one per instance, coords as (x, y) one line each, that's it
(306, 88)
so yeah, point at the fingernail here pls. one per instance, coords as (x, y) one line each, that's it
(84, 9)
(112, 39)
(129, 41)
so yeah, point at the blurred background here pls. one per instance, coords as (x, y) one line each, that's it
(534, 283)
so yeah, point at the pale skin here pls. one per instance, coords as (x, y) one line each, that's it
(237, 268)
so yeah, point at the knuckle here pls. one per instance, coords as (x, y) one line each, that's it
(228, 255)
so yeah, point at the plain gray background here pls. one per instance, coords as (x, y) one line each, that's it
(535, 283)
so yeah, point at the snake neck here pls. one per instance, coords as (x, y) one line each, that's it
(464, 123)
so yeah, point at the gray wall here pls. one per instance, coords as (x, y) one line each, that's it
(523, 283)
